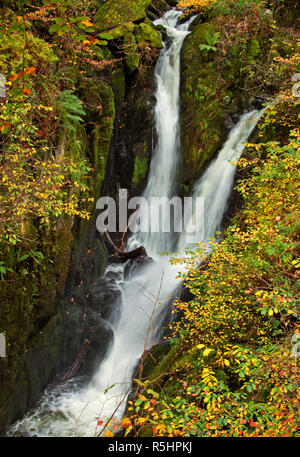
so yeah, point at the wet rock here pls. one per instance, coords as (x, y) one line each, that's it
(101, 337)
(106, 299)
(133, 266)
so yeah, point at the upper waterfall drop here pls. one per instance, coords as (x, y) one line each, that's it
(166, 155)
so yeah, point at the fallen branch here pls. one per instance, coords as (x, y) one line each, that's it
(122, 255)
(77, 362)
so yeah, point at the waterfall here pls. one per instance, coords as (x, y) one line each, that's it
(216, 183)
(164, 165)
(72, 410)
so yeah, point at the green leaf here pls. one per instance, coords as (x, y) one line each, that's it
(24, 257)
(54, 28)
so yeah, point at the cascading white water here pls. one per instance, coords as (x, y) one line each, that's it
(216, 183)
(164, 165)
(71, 410)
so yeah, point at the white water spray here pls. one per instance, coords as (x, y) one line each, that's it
(71, 410)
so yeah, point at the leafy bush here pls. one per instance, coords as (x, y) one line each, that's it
(235, 368)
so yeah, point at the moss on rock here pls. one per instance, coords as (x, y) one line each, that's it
(118, 87)
(103, 128)
(132, 53)
(221, 65)
(116, 12)
(117, 32)
(141, 166)
(145, 33)
(159, 6)
(203, 108)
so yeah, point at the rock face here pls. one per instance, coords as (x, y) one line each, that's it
(203, 114)
(58, 323)
(219, 70)
(115, 12)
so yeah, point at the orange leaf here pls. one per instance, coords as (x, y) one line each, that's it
(87, 23)
(30, 70)
(126, 422)
(15, 76)
(109, 434)
(3, 126)
(26, 91)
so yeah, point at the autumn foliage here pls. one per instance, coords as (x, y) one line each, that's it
(194, 5)
(46, 48)
(235, 372)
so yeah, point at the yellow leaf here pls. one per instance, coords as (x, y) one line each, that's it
(207, 352)
(200, 346)
(109, 434)
(128, 430)
(87, 23)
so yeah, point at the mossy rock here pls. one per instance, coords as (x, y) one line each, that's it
(99, 102)
(213, 88)
(118, 86)
(132, 53)
(141, 166)
(165, 366)
(203, 112)
(159, 7)
(154, 358)
(253, 50)
(117, 32)
(42, 358)
(146, 34)
(116, 12)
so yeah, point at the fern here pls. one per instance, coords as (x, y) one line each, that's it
(71, 110)
(211, 42)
